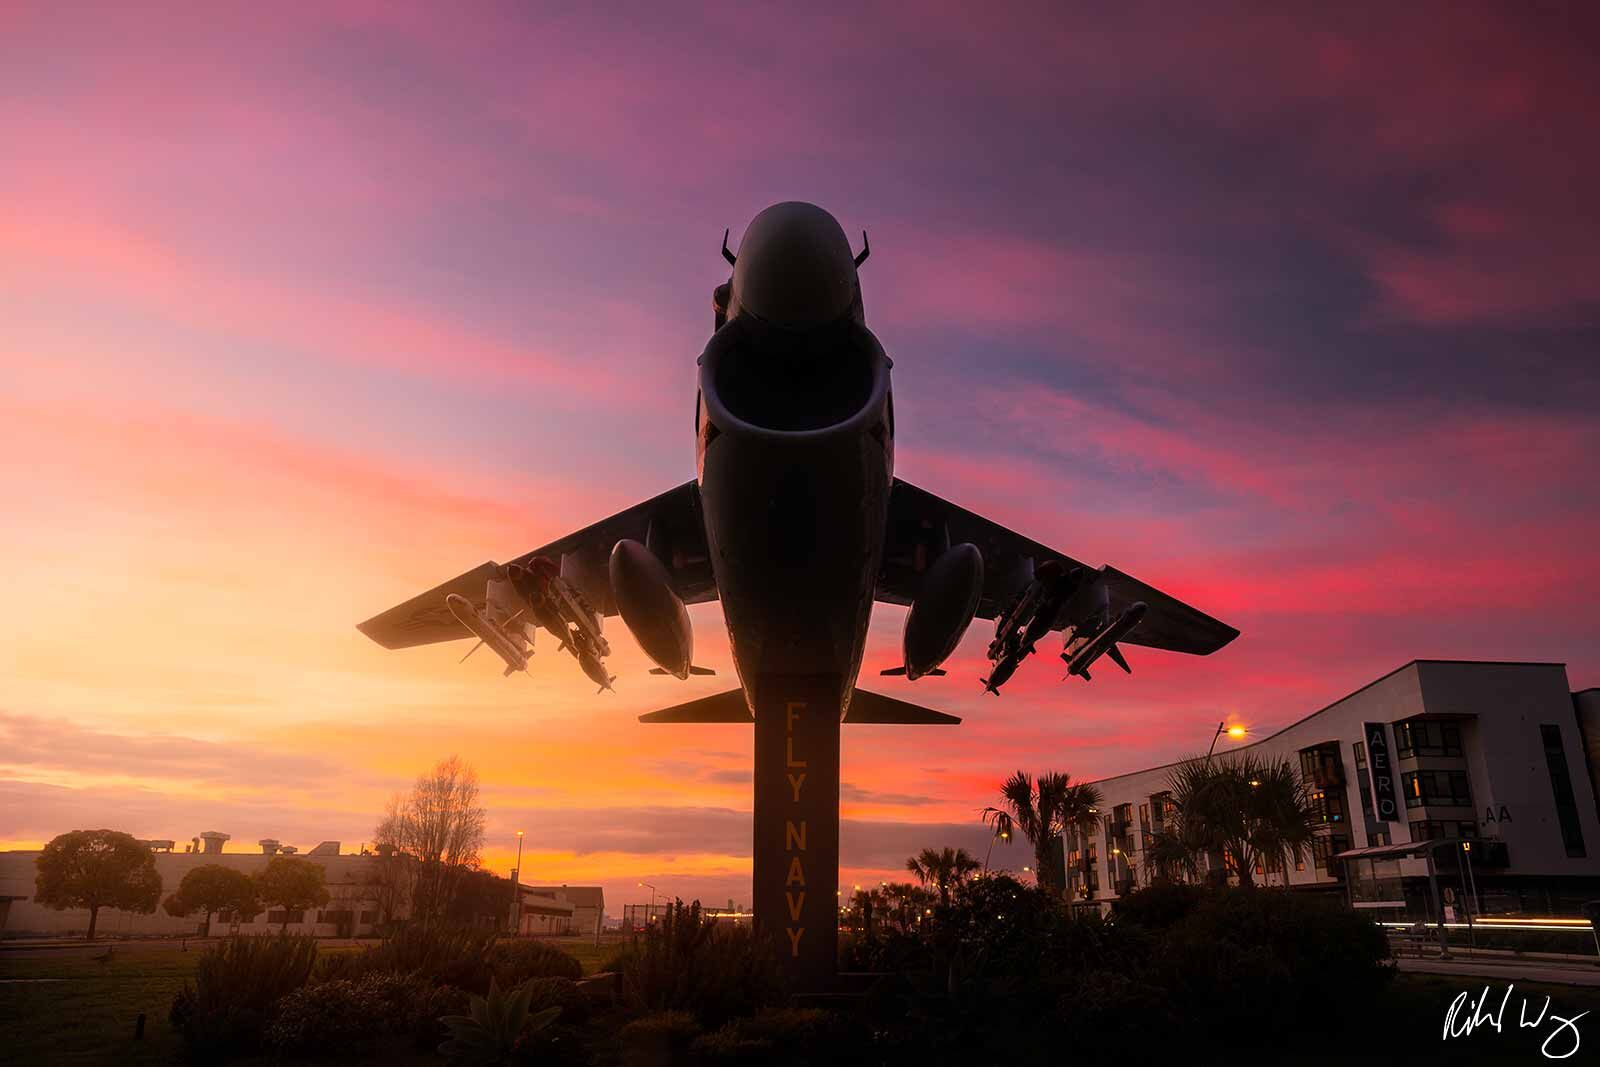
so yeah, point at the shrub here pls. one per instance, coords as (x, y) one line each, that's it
(891, 951)
(444, 957)
(786, 1036)
(660, 1038)
(329, 1017)
(514, 962)
(237, 983)
(560, 993)
(1159, 907)
(687, 963)
(1269, 955)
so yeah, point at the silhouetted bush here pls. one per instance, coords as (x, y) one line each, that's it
(1160, 906)
(514, 962)
(659, 1039)
(444, 957)
(238, 982)
(687, 963)
(1272, 959)
(789, 1036)
(560, 993)
(886, 952)
(330, 1017)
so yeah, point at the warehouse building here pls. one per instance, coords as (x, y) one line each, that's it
(1445, 783)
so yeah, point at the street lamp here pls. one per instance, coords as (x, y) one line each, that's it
(650, 915)
(1003, 835)
(1234, 732)
(516, 891)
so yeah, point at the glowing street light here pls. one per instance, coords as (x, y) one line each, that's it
(1234, 732)
(650, 916)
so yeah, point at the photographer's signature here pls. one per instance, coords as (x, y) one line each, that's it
(1468, 1014)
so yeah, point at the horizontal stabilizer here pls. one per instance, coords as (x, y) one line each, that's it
(701, 670)
(900, 672)
(723, 707)
(868, 707)
(865, 707)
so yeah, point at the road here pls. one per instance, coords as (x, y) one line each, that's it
(1532, 971)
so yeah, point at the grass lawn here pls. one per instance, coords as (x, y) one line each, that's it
(85, 1011)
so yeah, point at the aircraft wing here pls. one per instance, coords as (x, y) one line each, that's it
(670, 522)
(915, 516)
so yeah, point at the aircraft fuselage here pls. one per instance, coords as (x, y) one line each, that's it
(795, 455)
(795, 458)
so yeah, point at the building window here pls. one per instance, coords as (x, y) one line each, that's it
(1448, 788)
(1160, 805)
(280, 916)
(1144, 818)
(1436, 829)
(1421, 737)
(369, 917)
(1555, 758)
(1323, 849)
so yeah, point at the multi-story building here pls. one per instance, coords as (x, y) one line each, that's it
(1475, 776)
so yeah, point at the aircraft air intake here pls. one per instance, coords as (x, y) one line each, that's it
(762, 380)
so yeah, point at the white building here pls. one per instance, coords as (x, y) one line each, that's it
(1493, 755)
(352, 910)
(585, 904)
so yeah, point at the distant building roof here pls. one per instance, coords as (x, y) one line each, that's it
(583, 896)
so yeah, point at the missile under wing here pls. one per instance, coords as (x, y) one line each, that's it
(670, 524)
(921, 525)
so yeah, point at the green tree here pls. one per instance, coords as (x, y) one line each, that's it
(97, 869)
(292, 884)
(214, 888)
(942, 868)
(1042, 813)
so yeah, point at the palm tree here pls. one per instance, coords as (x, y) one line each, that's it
(1247, 809)
(1283, 817)
(906, 900)
(1041, 813)
(942, 868)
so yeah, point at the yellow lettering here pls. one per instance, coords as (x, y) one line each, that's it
(795, 933)
(788, 743)
(796, 902)
(794, 837)
(791, 714)
(797, 875)
(795, 783)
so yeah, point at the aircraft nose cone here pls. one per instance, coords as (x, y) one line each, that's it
(794, 267)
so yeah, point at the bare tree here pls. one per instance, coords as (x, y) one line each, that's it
(440, 826)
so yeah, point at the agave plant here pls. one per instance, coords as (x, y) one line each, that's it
(498, 1022)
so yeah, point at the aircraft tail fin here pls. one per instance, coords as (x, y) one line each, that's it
(701, 670)
(1117, 657)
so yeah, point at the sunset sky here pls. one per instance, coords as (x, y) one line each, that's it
(305, 308)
